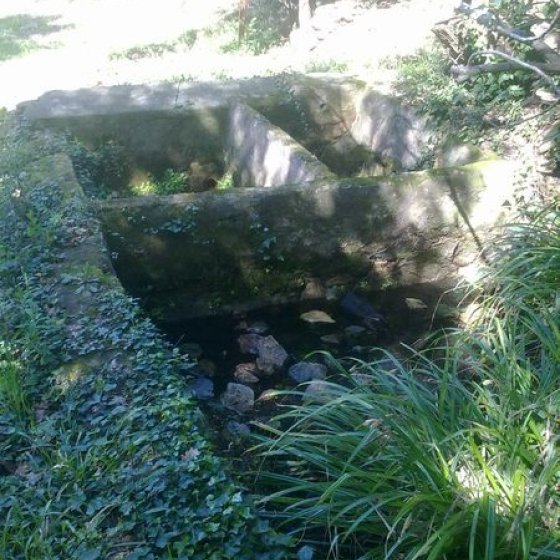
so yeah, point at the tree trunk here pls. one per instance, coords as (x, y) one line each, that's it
(305, 11)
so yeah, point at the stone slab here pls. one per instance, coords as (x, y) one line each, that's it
(159, 124)
(200, 253)
(261, 154)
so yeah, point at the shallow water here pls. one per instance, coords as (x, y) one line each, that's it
(218, 336)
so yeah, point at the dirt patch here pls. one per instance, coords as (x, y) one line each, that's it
(344, 36)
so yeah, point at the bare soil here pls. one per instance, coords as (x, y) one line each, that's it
(70, 44)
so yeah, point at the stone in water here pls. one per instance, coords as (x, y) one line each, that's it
(331, 338)
(415, 304)
(306, 371)
(202, 388)
(317, 316)
(271, 355)
(249, 343)
(238, 398)
(246, 374)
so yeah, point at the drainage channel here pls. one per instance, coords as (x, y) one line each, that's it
(279, 256)
(244, 359)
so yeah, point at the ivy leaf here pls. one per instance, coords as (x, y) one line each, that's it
(305, 553)
(90, 554)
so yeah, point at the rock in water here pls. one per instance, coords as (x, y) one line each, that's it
(354, 330)
(314, 289)
(208, 367)
(331, 339)
(249, 343)
(238, 398)
(415, 304)
(246, 373)
(271, 355)
(317, 316)
(202, 388)
(193, 349)
(318, 391)
(306, 371)
(355, 305)
(238, 430)
(257, 327)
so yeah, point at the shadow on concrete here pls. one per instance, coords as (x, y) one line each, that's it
(199, 253)
(191, 255)
(18, 33)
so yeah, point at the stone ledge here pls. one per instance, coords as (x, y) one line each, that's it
(246, 244)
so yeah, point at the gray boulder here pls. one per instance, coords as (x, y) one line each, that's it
(249, 343)
(271, 355)
(246, 373)
(306, 371)
(238, 398)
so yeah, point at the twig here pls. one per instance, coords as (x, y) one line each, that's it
(493, 22)
(554, 21)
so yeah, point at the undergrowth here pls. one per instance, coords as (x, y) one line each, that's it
(484, 109)
(102, 450)
(172, 182)
(451, 454)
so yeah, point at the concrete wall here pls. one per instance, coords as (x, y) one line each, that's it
(261, 154)
(167, 125)
(194, 254)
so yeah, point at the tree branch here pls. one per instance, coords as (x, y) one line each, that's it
(489, 20)
(466, 72)
(463, 72)
(551, 25)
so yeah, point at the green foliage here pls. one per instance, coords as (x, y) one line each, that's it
(426, 85)
(13, 397)
(100, 171)
(453, 453)
(225, 182)
(101, 451)
(267, 24)
(469, 111)
(172, 182)
(327, 66)
(257, 40)
(474, 34)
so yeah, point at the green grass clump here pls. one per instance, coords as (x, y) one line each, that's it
(13, 397)
(172, 182)
(452, 454)
(226, 182)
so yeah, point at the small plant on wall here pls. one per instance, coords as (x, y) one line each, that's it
(100, 171)
(172, 182)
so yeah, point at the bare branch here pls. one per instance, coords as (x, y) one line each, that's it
(493, 22)
(462, 72)
(538, 69)
(551, 25)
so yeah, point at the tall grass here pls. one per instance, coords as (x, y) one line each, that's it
(13, 397)
(454, 454)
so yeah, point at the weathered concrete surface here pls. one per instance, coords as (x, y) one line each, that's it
(191, 254)
(261, 154)
(170, 125)
(344, 120)
(390, 130)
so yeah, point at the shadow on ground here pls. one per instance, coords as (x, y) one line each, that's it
(18, 33)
